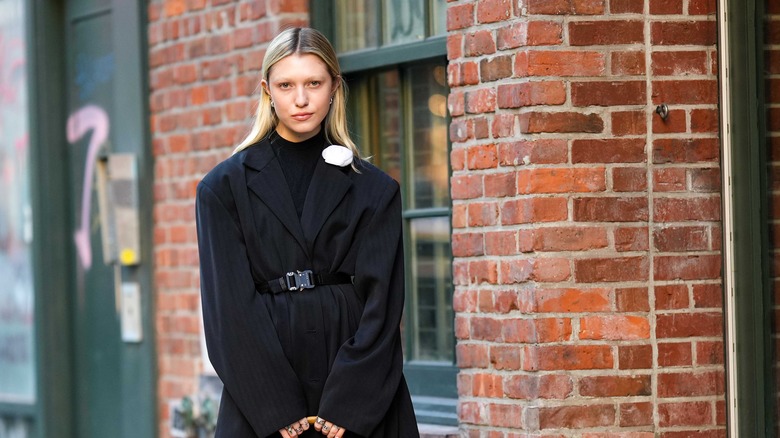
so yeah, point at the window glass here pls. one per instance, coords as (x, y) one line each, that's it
(364, 24)
(431, 316)
(17, 379)
(378, 134)
(439, 17)
(405, 134)
(355, 25)
(428, 175)
(404, 21)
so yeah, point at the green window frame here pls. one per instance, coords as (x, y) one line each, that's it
(750, 351)
(388, 75)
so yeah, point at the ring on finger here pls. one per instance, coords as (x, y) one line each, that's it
(336, 428)
(320, 421)
(325, 428)
(290, 430)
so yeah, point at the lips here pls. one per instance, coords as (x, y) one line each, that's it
(302, 117)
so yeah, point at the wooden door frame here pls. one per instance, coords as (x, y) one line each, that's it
(52, 244)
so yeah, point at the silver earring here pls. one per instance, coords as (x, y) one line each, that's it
(272, 104)
(331, 100)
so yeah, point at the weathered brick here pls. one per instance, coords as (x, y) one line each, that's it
(533, 210)
(492, 69)
(686, 209)
(593, 270)
(566, 7)
(671, 297)
(491, 11)
(460, 16)
(633, 357)
(690, 384)
(560, 122)
(695, 413)
(608, 151)
(608, 93)
(629, 179)
(632, 299)
(531, 93)
(699, 33)
(572, 300)
(679, 63)
(567, 357)
(479, 43)
(688, 267)
(675, 354)
(591, 415)
(539, 151)
(686, 325)
(565, 63)
(615, 328)
(636, 414)
(615, 386)
(610, 209)
(685, 150)
(629, 63)
(699, 91)
(629, 123)
(607, 32)
(561, 180)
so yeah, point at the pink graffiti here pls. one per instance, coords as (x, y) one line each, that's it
(89, 118)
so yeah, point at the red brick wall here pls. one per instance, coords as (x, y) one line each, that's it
(586, 229)
(204, 61)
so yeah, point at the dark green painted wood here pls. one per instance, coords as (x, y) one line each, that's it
(321, 13)
(363, 60)
(51, 261)
(755, 388)
(131, 91)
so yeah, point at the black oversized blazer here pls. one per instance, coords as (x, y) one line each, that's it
(332, 351)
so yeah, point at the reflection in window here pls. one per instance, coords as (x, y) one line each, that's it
(17, 379)
(359, 24)
(354, 25)
(431, 316)
(405, 134)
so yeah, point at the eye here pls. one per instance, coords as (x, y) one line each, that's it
(315, 83)
(284, 85)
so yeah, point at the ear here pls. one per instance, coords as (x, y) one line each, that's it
(264, 84)
(335, 86)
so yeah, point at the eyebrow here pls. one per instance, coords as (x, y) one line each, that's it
(308, 78)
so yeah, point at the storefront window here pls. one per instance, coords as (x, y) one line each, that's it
(17, 359)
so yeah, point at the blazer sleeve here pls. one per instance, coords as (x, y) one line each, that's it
(242, 343)
(368, 368)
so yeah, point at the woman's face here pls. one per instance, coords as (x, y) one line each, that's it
(300, 87)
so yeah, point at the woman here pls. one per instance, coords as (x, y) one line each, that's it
(302, 265)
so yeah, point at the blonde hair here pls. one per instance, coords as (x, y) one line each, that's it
(300, 40)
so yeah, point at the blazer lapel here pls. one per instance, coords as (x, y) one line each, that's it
(328, 186)
(270, 186)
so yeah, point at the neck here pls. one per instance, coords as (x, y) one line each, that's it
(295, 137)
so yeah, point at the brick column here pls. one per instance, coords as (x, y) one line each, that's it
(586, 236)
(204, 65)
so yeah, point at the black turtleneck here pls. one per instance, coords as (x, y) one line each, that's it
(298, 161)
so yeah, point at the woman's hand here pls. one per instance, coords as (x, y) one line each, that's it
(328, 429)
(295, 429)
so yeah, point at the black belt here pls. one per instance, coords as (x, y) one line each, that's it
(299, 280)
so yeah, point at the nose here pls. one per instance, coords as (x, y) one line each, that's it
(301, 98)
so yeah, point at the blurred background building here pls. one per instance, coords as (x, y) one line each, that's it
(590, 205)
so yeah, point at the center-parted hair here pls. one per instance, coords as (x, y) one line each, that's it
(302, 40)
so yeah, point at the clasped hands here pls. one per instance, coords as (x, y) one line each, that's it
(321, 425)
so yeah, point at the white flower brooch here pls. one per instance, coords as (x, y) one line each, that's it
(337, 155)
